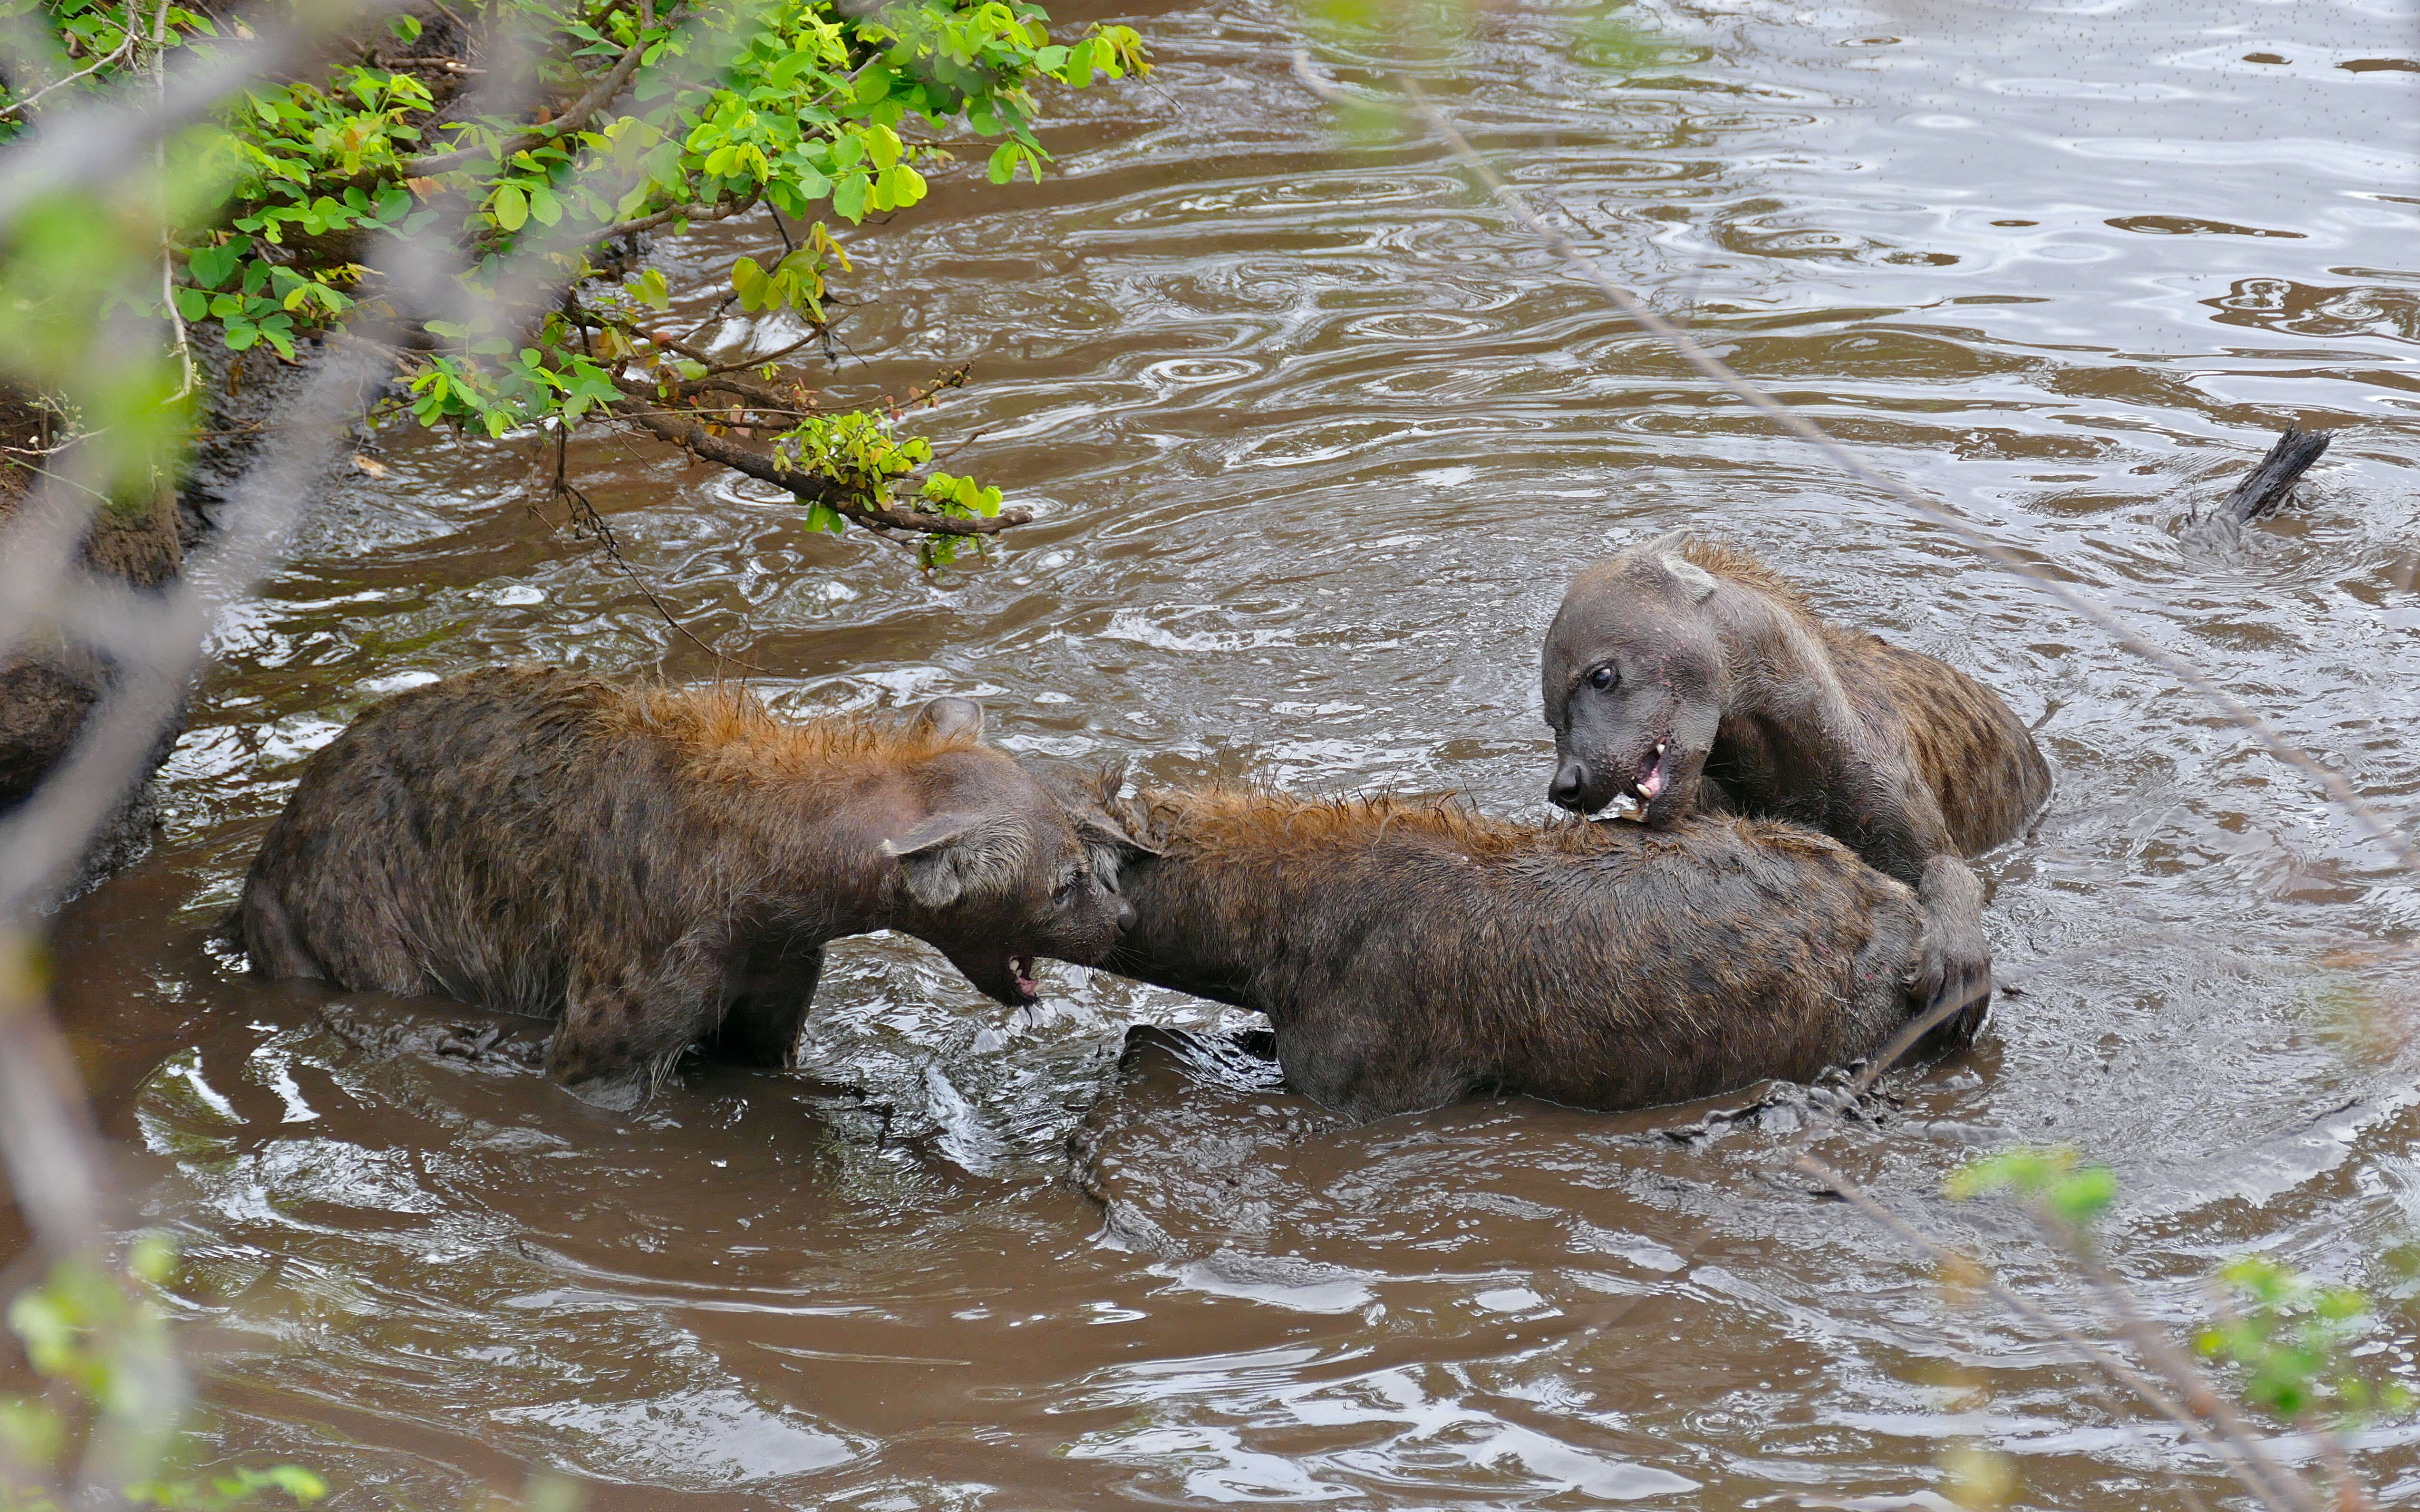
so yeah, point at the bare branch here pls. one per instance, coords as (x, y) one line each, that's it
(571, 120)
(693, 437)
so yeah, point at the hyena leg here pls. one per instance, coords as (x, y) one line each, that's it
(625, 1022)
(1355, 1064)
(775, 987)
(266, 931)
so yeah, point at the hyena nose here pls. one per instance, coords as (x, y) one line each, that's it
(1126, 916)
(1570, 778)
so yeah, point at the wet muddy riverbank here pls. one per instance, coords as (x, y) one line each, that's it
(1315, 439)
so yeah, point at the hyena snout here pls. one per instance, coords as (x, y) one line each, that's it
(1006, 876)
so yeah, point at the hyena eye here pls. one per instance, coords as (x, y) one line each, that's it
(1604, 678)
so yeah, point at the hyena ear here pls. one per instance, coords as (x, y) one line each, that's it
(1110, 825)
(949, 717)
(1665, 552)
(1695, 580)
(1110, 781)
(1097, 830)
(952, 857)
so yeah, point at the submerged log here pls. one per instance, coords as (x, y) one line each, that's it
(2265, 488)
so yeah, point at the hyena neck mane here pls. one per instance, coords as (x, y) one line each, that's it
(1736, 567)
(797, 811)
(1242, 826)
(726, 734)
(1246, 876)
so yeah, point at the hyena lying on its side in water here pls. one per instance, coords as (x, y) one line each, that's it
(657, 866)
(1409, 953)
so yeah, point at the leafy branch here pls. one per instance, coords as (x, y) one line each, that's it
(816, 112)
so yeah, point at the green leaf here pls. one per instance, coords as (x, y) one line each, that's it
(850, 195)
(544, 205)
(1078, 71)
(2025, 1172)
(2083, 1196)
(296, 1482)
(2075, 1195)
(511, 208)
(211, 265)
(748, 280)
(1004, 158)
(192, 303)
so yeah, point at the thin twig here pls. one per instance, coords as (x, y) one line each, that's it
(809, 339)
(588, 522)
(2236, 1457)
(2116, 1299)
(125, 45)
(2099, 1392)
(694, 215)
(571, 120)
(971, 437)
(182, 340)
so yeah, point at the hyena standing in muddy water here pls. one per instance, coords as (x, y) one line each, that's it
(1410, 952)
(655, 867)
(1683, 675)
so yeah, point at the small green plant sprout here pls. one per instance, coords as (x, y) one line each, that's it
(2297, 1342)
(2053, 1182)
(116, 1395)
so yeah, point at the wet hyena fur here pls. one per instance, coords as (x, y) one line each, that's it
(1681, 675)
(1410, 952)
(657, 866)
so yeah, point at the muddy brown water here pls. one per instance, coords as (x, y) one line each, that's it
(1315, 438)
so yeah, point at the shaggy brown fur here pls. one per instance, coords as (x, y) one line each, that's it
(1410, 952)
(658, 865)
(1685, 676)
